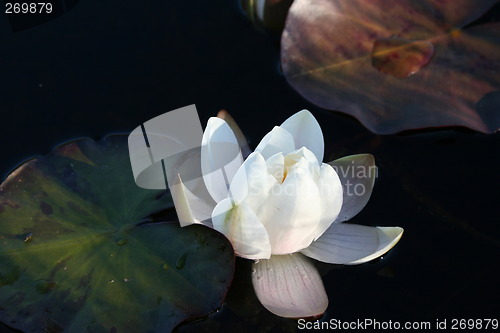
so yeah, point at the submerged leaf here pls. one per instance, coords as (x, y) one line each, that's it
(394, 64)
(77, 256)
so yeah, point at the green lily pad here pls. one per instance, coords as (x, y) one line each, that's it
(395, 64)
(78, 251)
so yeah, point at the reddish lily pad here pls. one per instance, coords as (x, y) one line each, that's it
(79, 251)
(395, 64)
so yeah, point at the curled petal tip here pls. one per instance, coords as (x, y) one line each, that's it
(352, 244)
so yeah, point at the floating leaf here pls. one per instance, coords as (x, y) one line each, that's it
(395, 64)
(78, 255)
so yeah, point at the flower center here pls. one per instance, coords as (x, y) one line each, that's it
(290, 161)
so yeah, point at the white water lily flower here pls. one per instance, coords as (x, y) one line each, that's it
(281, 205)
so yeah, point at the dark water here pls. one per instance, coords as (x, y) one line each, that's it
(107, 66)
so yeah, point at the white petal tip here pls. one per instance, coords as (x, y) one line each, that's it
(306, 132)
(215, 121)
(388, 237)
(352, 244)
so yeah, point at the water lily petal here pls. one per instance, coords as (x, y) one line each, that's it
(191, 208)
(276, 141)
(291, 212)
(243, 228)
(357, 174)
(276, 166)
(289, 286)
(352, 244)
(252, 182)
(220, 157)
(192, 201)
(242, 140)
(330, 192)
(306, 132)
(308, 161)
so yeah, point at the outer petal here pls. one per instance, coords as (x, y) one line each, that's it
(289, 286)
(220, 157)
(357, 174)
(242, 140)
(278, 140)
(292, 212)
(243, 228)
(189, 207)
(306, 132)
(330, 192)
(352, 244)
(192, 201)
(251, 182)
